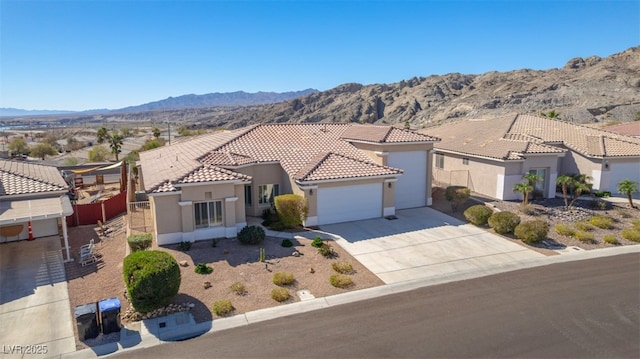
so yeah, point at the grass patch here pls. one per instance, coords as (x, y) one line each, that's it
(564, 230)
(632, 234)
(342, 267)
(238, 288)
(340, 280)
(283, 278)
(583, 226)
(611, 239)
(280, 294)
(602, 222)
(223, 307)
(584, 237)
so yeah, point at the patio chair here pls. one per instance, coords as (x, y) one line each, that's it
(88, 253)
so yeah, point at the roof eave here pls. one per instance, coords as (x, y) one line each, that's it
(315, 182)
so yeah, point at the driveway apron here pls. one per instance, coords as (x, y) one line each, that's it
(422, 243)
(34, 301)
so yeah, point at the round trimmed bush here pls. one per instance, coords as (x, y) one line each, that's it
(280, 294)
(564, 230)
(251, 235)
(478, 214)
(152, 279)
(603, 222)
(632, 234)
(340, 280)
(222, 307)
(611, 239)
(504, 222)
(342, 267)
(532, 231)
(584, 237)
(140, 241)
(283, 278)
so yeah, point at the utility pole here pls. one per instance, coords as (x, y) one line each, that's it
(169, 128)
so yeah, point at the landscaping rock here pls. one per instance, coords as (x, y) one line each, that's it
(183, 263)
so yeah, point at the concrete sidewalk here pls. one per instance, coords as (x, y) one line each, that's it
(149, 335)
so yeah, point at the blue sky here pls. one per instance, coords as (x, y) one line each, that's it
(79, 55)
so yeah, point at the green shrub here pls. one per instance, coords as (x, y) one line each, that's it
(280, 294)
(584, 237)
(222, 307)
(286, 243)
(251, 235)
(632, 234)
(152, 279)
(238, 288)
(203, 268)
(340, 280)
(611, 239)
(277, 226)
(583, 226)
(317, 242)
(532, 231)
(139, 242)
(564, 230)
(214, 243)
(326, 251)
(601, 222)
(283, 278)
(292, 209)
(636, 223)
(457, 195)
(504, 222)
(342, 267)
(528, 209)
(184, 246)
(478, 214)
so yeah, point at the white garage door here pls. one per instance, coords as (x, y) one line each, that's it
(349, 203)
(411, 187)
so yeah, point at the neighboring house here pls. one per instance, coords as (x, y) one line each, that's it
(205, 187)
(36, 195)
(491, 156)
(628, 129)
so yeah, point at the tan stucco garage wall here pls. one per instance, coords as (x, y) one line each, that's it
(374, 151)
(167, 213)
(480, 175)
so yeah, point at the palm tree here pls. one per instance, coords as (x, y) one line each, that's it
(551, 114)
(102, 134)
(525, 188)
(566, 183)
(628, 187)
(115, 142)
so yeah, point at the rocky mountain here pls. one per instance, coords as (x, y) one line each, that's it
(238, 98)
(16, 112)
(584, 90)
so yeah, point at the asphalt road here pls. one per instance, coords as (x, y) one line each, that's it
(580, 309)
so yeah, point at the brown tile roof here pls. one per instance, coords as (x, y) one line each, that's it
(305, 151)
(19, 177)
(336, 166)
(628, 129)
(384, 134)
(511, 137)
(202, 174)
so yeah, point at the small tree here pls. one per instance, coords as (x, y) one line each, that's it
(42, 150)
(525, 188)
(572, 188)
(628, 187)
(156, 132)
(291, 209)
(115, 143)
(98, 154)
(102, 134)
(18, 146)
(457, 195)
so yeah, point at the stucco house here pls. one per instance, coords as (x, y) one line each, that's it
(32, 195)
(491, 155)
(206, 186)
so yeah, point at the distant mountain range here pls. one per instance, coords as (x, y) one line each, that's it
(238, 98)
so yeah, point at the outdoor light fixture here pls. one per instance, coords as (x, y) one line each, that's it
(311, 192)
(389, 184)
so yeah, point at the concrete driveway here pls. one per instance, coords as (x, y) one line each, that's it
(34, 301)
(422, 243)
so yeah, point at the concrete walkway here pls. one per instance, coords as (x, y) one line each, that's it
(34, 301)
(422, 243)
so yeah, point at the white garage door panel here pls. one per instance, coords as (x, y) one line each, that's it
(411, 187)
(349, 203)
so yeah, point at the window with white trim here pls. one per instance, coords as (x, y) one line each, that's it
(439, 160)
(267, 192)
(208, 214)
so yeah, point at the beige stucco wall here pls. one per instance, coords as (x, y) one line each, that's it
(376, 151)
(261, 174)
(167, 214)
(480, 175)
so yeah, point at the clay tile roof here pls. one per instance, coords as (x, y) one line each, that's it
(19, 177)
(335, 166)
(212, 174)
(219, 158)
(628, 129)
(384, 134)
